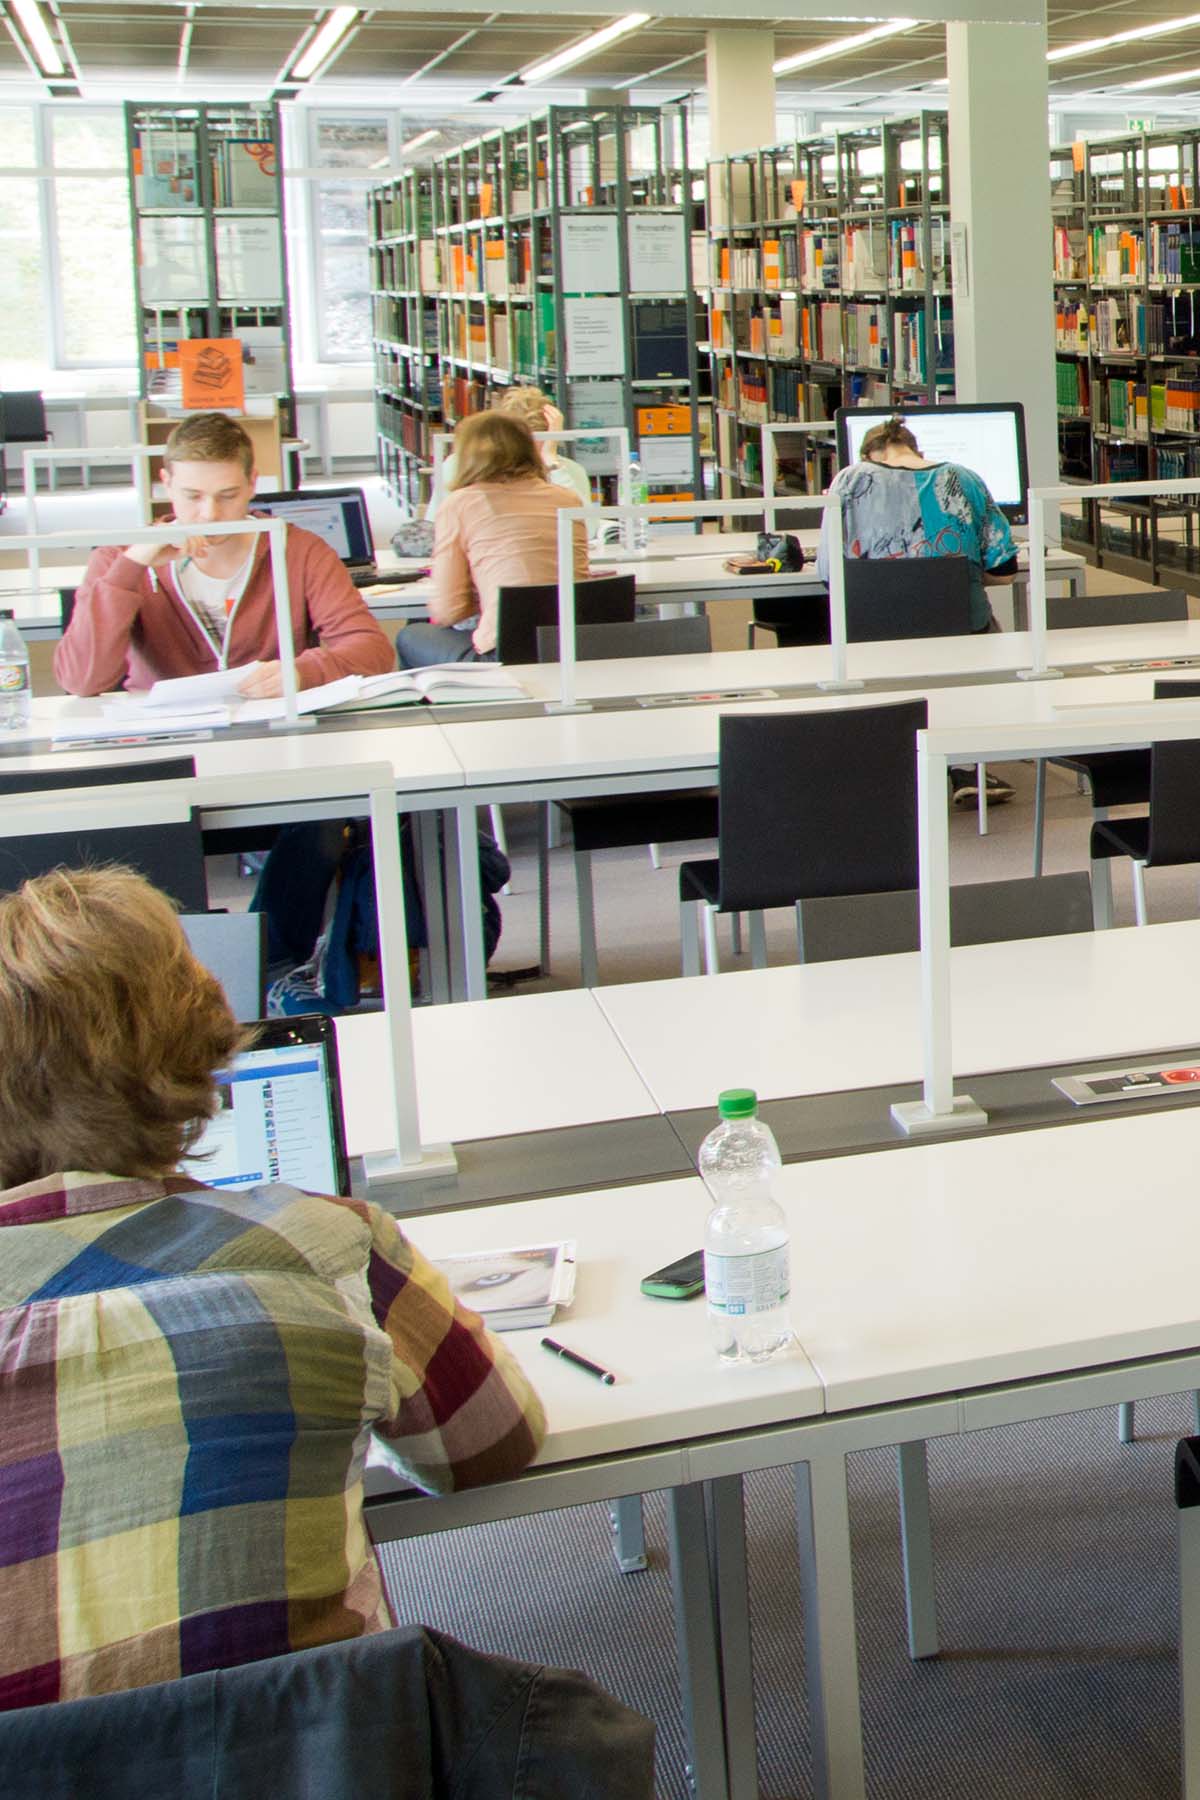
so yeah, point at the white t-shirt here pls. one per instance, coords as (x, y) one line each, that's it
(212, 598)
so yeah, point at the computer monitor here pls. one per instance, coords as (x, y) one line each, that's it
(339, 515)
(987, 436)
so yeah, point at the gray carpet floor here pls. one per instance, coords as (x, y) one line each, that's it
(1056, 1587)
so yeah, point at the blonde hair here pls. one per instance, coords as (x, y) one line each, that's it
(209, 437)
(528, 403)
(495, 446)
(112, 1031)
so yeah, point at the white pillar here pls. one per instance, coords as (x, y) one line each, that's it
(741, 90)
(1000, 200)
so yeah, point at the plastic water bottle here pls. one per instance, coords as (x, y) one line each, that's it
(14, 676)
(746, 1248)
(639, 495)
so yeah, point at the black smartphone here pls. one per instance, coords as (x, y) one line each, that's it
(680, 1280)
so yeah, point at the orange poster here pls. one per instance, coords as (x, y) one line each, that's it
(211, 371)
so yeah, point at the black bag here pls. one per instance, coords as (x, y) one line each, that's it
(782, 549)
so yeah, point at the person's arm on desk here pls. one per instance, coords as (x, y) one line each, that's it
(90, 657)
(462, 1411)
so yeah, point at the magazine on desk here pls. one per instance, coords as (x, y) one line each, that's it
(515, 1288)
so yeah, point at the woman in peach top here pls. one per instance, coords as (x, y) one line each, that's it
(498, 527)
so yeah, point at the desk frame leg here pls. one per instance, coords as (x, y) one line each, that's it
(696, 1642)
(471, 901)
(823, 1530)
(629, 1533)
(727, 1526)
(916, 1541)
(1189, 1648)
(433, 876)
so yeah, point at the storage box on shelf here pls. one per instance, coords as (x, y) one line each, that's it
(207, 210)
(554, 253)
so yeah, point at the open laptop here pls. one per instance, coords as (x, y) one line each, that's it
(339, 515)
(280, 1113)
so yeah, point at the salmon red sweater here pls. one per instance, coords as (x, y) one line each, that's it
(132, 627)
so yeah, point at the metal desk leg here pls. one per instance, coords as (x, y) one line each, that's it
(472, 901)
(629, 1533)
(696, 1642)
(823, 1528)
(1189, 1615)
(916, 1538)
(427, 837)
(727, 1523)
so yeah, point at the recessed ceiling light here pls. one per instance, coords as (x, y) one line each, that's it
(1136, 35)
(320, 47)
(40, 41)
(842, 46)
(1154, 81)
(565, 59)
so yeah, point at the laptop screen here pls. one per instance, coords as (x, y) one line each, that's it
(279, 1116)
(339, 515)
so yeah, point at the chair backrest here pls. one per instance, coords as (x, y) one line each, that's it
(606, 600)
(907, 597)
(981, 912)
(644, 637)
(1137, 607)
(818, 803)
(23, 417)
(233, 947)
(170, 855)
(1175, 802)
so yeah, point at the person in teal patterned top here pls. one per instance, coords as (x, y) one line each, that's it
(895, 503)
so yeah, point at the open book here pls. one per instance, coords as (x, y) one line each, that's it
(463, 684)
(513, 1288)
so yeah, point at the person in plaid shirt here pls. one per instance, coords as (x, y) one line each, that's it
(190, 1378)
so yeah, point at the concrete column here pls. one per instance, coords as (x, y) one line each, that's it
(1000, 204)
(741, 90)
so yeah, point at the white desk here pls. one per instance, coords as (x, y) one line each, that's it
(495, 1069)
(831, 1027)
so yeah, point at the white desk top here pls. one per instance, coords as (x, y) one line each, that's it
(997, 1259)
(668, 1385)
(905, 659)
(830, 1027)
(492, 1068)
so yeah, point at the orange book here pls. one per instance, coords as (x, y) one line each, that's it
(799, 194)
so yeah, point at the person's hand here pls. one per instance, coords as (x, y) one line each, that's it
(153, 556)
(266, 683)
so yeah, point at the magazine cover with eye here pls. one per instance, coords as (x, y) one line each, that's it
(513, 1288)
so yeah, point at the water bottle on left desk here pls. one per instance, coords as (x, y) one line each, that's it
(14, 675)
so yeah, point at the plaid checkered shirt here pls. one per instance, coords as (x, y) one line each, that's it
(189, 1380)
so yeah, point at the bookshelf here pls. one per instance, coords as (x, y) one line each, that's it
(207, 204)
(830, 279)
(1126, 261)
(556, 253)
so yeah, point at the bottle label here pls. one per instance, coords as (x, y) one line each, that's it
(14, 677)
(737, 1286)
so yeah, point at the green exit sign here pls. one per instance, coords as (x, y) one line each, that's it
(1140, 124)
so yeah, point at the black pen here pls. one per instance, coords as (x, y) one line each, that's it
(580, 1362)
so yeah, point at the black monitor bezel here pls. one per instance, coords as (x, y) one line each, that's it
(1016, 514)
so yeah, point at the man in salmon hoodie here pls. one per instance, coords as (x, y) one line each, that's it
(154, 610)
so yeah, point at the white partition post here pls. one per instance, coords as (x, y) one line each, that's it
(1104, 490)
(276, 531)
(770, 464)
(566, 701)
(839, 682)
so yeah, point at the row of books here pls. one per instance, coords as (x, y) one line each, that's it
(910, 356)
(1073, 390)
(821, 331)
(1136, 408)
(820, 259)
(1177, 462)
(534, 338)
(1126, 326)
(1175, 252)
(1115, 254)
(1072, 325)
(1124, 408)
(1070, 253)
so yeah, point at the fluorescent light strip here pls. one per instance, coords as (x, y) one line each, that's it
(1154, 81)
(1135, 36)
(565, 59)
(332, 32)
(415, 143)
(40, 41)
(841, 46)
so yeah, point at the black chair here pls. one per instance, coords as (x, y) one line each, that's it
(894, 597)
(1169, 834)
(1116, 777)
(811, 804)
(606, 600)
(170, 855)
(981, 912)
(645, 637)
(615, 822)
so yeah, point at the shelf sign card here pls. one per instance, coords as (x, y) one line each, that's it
(588, 249)
(595, 337)
(211, 374)
(657, 259)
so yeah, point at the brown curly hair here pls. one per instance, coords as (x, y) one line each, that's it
(111, 1030)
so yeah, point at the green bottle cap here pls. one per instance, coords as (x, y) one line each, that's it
(737, 1103)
